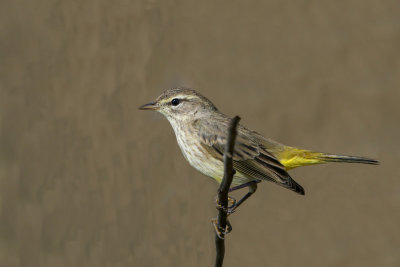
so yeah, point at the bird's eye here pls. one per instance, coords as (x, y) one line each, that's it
(175, 102)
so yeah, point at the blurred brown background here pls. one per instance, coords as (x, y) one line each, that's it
(86, 179)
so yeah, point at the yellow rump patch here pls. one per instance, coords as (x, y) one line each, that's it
(293, 157)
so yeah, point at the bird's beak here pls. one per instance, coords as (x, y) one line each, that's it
(149, 106)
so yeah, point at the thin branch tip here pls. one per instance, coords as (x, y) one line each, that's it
(221, 223)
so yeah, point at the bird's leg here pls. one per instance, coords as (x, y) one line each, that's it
(252, 189)
(252, 185)
(244, 185)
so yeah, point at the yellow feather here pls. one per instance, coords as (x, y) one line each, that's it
(292, 157)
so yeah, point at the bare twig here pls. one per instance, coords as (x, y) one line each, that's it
(223, 190)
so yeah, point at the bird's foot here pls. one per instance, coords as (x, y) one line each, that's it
(229, 209)
(219, 230)
(231, 201)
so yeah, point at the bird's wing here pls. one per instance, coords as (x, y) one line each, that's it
(249, 158)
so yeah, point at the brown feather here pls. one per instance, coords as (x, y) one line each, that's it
(250, 157)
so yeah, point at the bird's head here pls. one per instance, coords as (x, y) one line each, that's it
(180, 104)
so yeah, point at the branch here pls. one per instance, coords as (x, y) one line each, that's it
(223, 190)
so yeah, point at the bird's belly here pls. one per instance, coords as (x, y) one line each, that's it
(201, 160)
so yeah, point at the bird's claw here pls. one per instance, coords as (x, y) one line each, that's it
(230, 209)
(219, 230)
(231, 201)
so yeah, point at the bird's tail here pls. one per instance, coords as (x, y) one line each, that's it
(348, 159)
(292, 157)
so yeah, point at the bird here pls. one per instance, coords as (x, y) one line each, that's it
(201, 131)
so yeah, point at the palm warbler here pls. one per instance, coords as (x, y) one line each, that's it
(201, 131)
